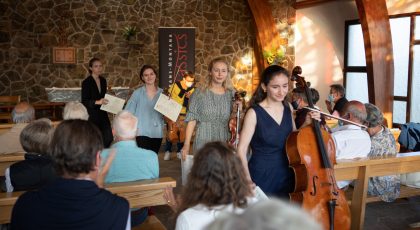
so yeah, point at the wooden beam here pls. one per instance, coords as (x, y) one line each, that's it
(267, 35)
(309, 3)
(379, 57)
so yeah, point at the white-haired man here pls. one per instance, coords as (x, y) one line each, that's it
(131, 163)
(22, 115)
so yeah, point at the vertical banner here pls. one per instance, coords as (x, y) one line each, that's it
(176, 53)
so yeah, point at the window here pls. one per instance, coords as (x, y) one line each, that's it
(405, 32)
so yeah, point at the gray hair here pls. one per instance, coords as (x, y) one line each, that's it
(374, 115)
(357, 109)
(266, 215)
(125, 125)
(23, 113)
(75, 110)
(36, 136)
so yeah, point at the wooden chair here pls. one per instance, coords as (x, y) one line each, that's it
(6, 106)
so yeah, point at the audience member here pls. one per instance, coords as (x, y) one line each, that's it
(22, 115)
(131, 162)
(300, 101)
(74, 200)
(336, 96)
(383, 145)
(216, 184)
(75, 110)
(37, 169)
(350, 140)
(267, 215)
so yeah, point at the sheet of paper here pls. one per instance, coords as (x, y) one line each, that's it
(168, 107)
(115, 104)
(259, 194)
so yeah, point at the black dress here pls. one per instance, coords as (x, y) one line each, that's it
(90, 94)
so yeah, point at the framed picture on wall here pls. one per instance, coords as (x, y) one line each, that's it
(64, 55)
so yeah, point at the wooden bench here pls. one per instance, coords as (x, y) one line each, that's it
(8, 159)
(142, 193)
(6, 127)
(7, 103)
(361, 170)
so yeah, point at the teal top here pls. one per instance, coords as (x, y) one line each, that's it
(131, 163)
(150, 121)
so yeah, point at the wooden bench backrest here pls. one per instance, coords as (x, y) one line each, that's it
(6, 127)
(9, 100)
(142, 193)
(8, 159)
(402, 163)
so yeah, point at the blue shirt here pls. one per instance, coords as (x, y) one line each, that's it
(131, 163)
(150, 121)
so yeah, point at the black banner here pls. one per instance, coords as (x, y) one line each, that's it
(176, 53)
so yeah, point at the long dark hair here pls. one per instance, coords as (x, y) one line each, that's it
(216, 178)
(267, 75)
(91, 61)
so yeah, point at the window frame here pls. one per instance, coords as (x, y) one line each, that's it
(363, 69)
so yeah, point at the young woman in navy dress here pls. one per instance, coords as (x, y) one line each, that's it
(267, 124)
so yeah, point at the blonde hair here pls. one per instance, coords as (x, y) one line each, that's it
(206, 82)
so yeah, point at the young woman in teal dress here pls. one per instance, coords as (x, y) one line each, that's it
(267, 124)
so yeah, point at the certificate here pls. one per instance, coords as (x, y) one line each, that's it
(115, 104)
(168, 107)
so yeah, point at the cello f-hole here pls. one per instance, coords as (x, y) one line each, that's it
(314, 178)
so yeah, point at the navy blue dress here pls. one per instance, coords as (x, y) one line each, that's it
(268, 166)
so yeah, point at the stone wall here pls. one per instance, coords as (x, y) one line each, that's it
(30, 28)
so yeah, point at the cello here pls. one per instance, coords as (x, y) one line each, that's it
(310, 152)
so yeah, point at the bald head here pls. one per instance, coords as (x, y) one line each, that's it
(125, 125)
(23, 113)
(355, 111)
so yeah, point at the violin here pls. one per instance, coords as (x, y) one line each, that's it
(311, 152)
(235, 120)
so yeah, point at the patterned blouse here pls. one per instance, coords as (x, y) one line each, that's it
(211, 112)
(386, 187)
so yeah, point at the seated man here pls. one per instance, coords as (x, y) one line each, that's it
(131, 163)
(350, 140)
(300, 101)
(22, 115)
(37, 169)
(74, 200)
(75, 110)
(383, 145)
(336, 96)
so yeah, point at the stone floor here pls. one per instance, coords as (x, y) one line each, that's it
(379, 215)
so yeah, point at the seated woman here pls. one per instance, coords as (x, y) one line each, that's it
(383, 145)
(216, 184)
(37, 169)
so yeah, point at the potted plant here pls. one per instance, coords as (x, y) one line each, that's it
(274, 56)
(129, 32)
